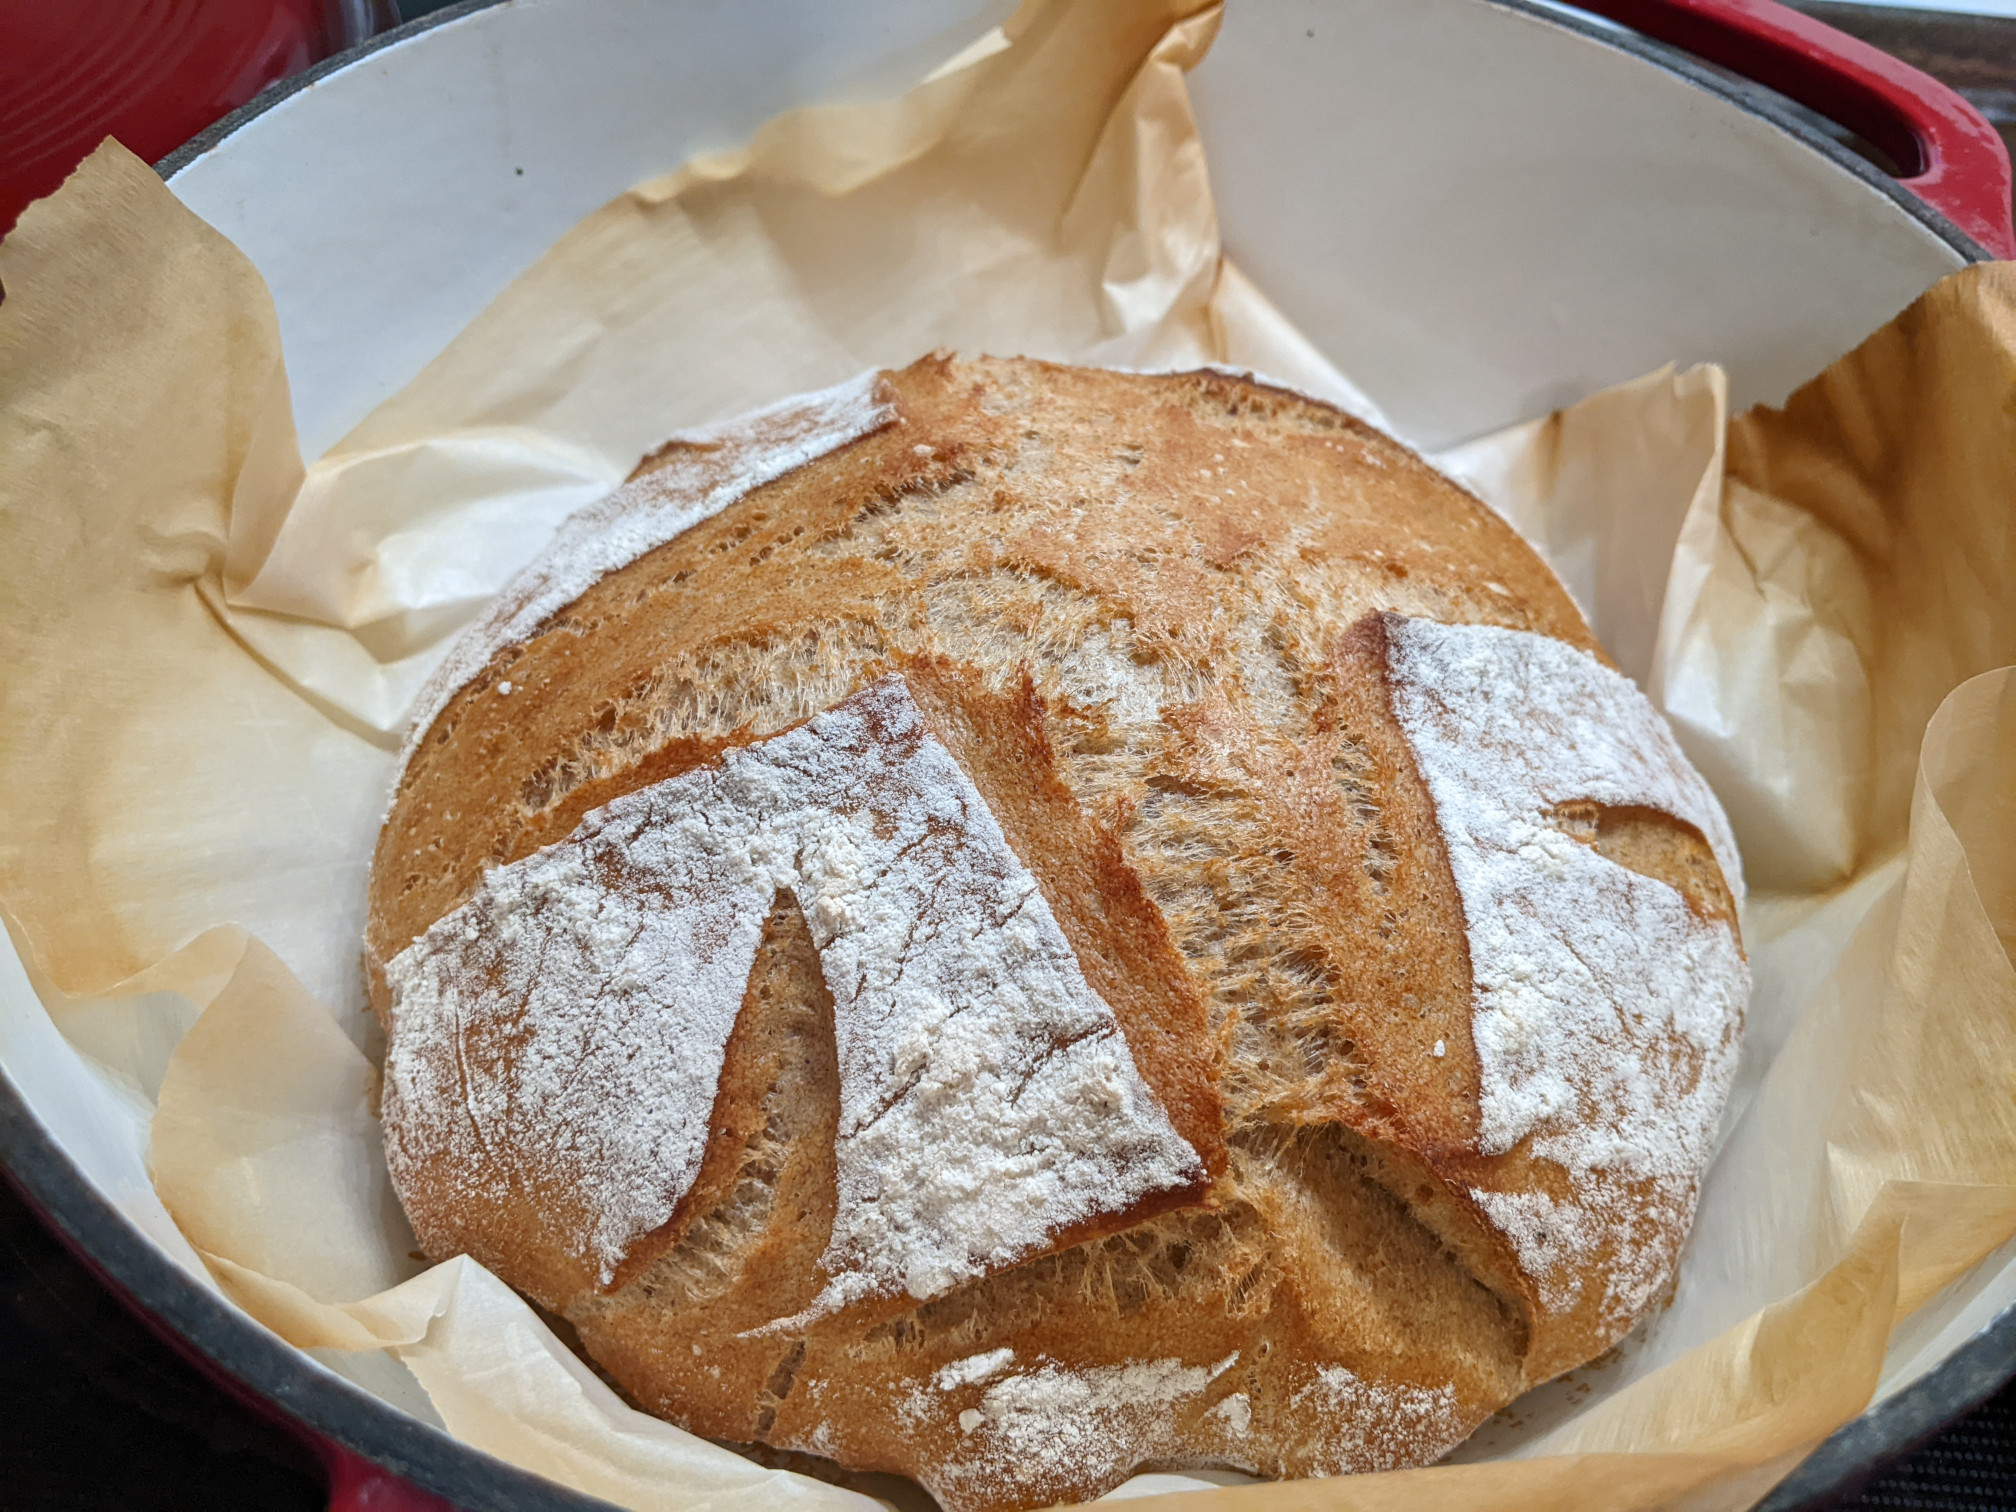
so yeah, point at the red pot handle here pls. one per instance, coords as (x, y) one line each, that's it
(1949, 156)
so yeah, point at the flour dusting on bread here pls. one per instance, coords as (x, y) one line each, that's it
(1364, 1419)
(1039, 1425)
(566, 1027)
(1604, 1004)
(700, 473)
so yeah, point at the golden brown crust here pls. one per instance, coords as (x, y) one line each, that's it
(1122, 945)
(1142, 615)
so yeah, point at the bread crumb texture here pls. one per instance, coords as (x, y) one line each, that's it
(1021, 924)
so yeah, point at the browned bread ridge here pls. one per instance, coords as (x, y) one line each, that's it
(1149, 617)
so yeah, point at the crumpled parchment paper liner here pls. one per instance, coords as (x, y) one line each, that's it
(167, 428)
(208, 666)
(1656, 441)
(1047, 198)
(1064, 170)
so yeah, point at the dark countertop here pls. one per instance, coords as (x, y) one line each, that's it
(98, 1415)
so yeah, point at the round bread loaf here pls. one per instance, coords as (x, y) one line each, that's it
(1015, 924)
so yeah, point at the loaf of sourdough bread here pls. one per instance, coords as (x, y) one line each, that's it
(1014, 924)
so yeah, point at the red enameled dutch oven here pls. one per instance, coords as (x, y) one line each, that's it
(1479, 208)
(152, 73)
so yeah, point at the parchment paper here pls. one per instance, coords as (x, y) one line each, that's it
(209, 652)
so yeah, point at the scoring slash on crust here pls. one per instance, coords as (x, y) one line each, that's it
(695, 475)
(1605, 1002)
(559, 1038)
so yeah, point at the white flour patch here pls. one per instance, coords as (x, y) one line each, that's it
(715, 466)
(1056, 1422)
(973, 1369)
(1378, 1425)
(1236, 1412)
(1605, 1011)
(1552, 1239)
(566, 1027)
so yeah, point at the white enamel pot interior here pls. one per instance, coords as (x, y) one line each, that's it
(1479, 208)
